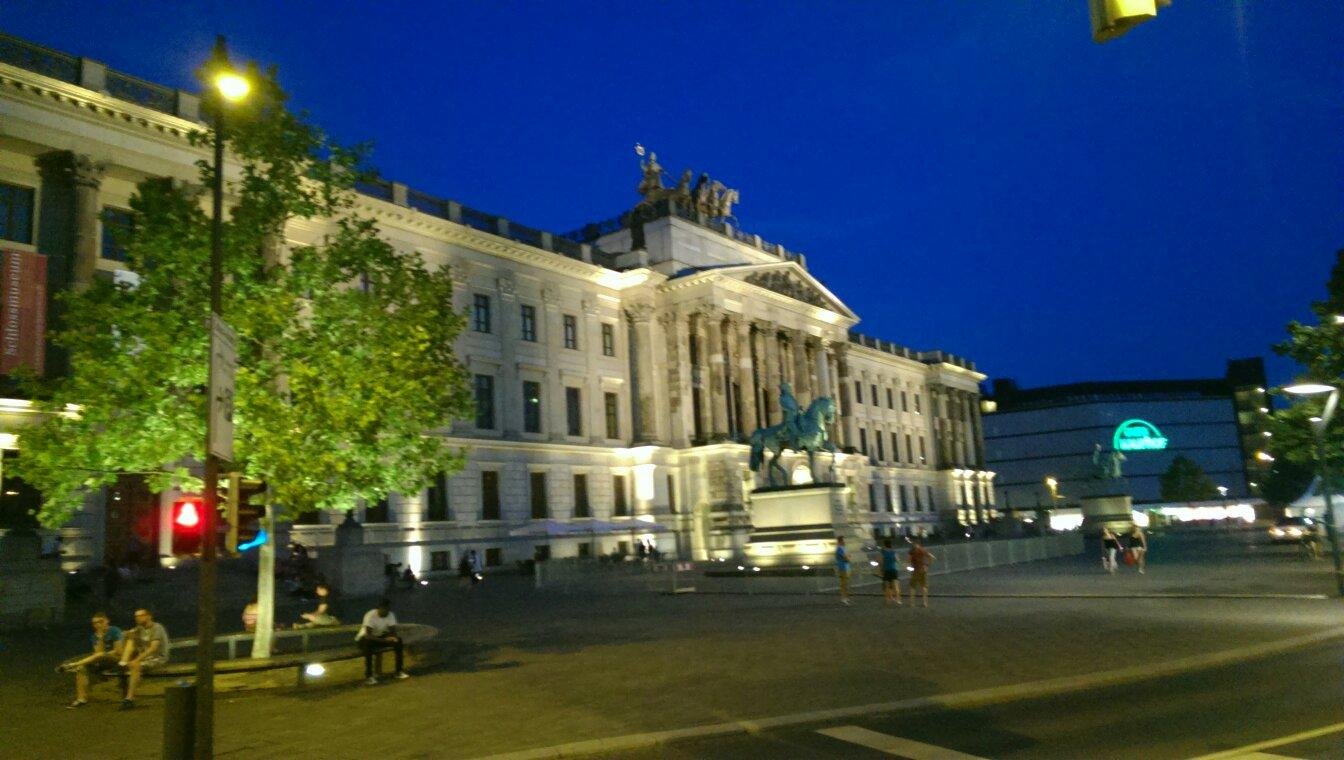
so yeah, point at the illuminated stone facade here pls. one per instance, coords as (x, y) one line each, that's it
(618, 369)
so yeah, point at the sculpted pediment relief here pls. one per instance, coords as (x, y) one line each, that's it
(787, 283)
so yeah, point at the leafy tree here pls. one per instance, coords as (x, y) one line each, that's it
(1319, 348)
(346, 367)
(1286, 481)
(1185, 481)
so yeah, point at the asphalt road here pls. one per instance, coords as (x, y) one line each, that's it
(1181, 717)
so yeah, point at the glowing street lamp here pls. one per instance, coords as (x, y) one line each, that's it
(1318, 426)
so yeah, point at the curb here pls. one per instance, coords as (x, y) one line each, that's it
(957, 700)
(1040, 595)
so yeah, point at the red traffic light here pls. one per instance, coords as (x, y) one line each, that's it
(188, 514)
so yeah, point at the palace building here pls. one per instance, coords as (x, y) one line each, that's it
(617, 369)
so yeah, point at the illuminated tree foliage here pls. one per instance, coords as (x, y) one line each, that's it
(346, 369)
(1185, 481)
(1319, 348)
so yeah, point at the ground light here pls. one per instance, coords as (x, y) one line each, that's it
(315, 670)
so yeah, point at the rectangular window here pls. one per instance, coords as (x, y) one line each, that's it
(930, 491)
(585, 550)
(436, 500)
(613, 421)
(905, 499)
(886, 502)
(485, 402)
(16, 213)
(923, 457)
(905, 402)
(917, 409)
(873, 505)
(531, 407)
(863, 441)
(608, 339)
(490, 495)
(858, 392)
(537, 483)
(378, 512)
(872, 396)
(529, 323)
(574, 411)
(622, 506)
(439, 561)
(909, 449)
(480, 313)
(919, 505)
(494, 557)
(671, 495)
(891, 399)
(571, 331)
(117, 227)
(581, 508)
(881, 451)
(895, 450)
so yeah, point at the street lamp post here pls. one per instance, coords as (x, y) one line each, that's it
(1319, 425)
(229, 86)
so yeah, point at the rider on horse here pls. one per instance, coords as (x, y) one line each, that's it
(789, 405)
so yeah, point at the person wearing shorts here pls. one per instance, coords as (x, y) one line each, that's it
(106, 643)
(891, 577)
(1138, 544)
(145, 649)
(842, 568)
(920, 559)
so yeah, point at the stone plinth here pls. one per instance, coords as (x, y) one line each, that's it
(1114, 511)
(795, 525)
(352, 568)
(32, 589)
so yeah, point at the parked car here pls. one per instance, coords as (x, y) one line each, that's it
(1290, 530)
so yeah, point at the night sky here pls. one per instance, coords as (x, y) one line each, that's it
(977, 177)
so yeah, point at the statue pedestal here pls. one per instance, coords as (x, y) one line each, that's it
(1114, 511)
(795, 525)
(352, 568)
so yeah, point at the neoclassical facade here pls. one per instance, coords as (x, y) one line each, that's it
(617, 370)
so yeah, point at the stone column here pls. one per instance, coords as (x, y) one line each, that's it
(848, 424)
(700, 373)
(641, 332)
(770, 393)
(510, 387)
(746, 376)
(676, 328)
(823, 361)
(82, 176)
(802, 384)
(717, 375)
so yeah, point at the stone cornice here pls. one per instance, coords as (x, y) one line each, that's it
(45, 91)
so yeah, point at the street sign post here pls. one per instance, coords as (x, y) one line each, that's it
(223, 366)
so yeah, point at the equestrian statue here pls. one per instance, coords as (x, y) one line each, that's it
(803, 431)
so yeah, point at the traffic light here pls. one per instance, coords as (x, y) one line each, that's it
(188, 521)
(1112, 18)
(241, 516)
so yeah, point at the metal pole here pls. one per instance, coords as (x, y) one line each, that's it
(1330, 528)
(205, 621)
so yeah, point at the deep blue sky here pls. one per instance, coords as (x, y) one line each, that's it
(979, 177)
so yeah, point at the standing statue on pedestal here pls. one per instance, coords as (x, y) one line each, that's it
(1107, 463)
(800, 431)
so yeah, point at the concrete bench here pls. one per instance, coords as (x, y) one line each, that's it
(236, 674)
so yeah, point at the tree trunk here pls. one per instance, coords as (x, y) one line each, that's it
(261, 642)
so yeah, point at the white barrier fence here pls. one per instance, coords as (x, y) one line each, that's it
(971, 555)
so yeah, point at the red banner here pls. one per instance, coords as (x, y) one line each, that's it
(23, 313)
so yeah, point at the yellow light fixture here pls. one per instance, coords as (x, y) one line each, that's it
(232, 86)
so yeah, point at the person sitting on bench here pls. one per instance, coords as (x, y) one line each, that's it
(378, 633)
(107, 643)
(325, 613)
(146, 649)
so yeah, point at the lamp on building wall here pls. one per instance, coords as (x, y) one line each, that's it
(1318, 426)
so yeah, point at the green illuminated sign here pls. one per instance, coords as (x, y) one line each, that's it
(1138, 435)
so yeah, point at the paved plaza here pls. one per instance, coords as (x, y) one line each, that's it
(520, 669)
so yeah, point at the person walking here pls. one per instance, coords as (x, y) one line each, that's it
(842, 569)
(891, 578)
(920, 559)
(1110, 546)
(1138, 544)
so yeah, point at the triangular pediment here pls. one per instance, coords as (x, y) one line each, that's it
(790, 280)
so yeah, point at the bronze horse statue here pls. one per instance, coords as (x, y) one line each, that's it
(806, 433)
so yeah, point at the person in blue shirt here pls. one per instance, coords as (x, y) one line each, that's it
(842, 568)
(106, 643)
(891, 579)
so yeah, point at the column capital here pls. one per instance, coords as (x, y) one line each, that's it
(77, 168)
(639, 312)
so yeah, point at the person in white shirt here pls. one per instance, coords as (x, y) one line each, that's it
(378, 633)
